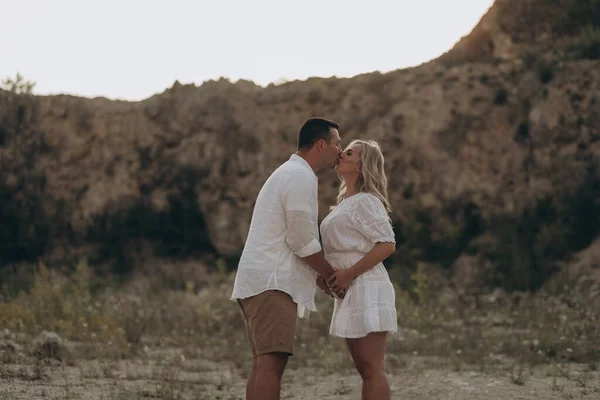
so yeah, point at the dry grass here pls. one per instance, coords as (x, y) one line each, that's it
(180, 342)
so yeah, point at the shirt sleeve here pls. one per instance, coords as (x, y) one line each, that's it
(299, 199)
(373, 221)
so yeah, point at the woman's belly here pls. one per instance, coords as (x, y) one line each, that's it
(345, 260)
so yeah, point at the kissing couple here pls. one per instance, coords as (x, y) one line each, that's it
(283, 261)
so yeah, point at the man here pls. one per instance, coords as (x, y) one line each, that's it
(282, 258)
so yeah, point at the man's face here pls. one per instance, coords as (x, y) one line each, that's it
(331, 153)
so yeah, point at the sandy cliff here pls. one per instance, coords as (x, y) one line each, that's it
(493, 157)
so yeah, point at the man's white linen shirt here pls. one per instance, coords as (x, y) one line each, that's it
(284, 229)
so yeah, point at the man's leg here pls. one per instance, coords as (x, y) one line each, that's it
(271, 318)
(251, 384)
(267, 384)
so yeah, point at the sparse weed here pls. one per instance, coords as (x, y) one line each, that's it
(511, 332)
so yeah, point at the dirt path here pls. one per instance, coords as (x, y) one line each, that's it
(435, 384)
(143, 379)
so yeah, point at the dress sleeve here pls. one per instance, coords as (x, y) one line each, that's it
(372, 220)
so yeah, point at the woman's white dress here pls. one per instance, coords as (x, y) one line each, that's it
(348, 233)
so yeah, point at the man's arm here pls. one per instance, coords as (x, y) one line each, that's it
(301, 238)
(299, 201)
(318, 262)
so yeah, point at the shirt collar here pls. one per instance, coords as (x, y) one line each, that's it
(302, 161)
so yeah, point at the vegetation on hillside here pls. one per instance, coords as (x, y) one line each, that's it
(580, 20)
(18, 85)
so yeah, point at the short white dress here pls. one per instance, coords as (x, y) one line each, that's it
(348, 233)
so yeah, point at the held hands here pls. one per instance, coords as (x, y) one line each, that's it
(337, 285)
(322, 284)
(340, 281)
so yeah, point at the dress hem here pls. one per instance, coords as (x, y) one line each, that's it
(359, 336)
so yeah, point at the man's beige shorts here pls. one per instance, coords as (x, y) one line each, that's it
(270, 322)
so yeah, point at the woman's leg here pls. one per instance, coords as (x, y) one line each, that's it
(368, 354)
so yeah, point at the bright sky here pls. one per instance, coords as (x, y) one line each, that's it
(132, 49)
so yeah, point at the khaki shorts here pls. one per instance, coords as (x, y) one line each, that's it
(270, 322)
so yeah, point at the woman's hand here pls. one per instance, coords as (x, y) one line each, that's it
(340, 281)
(322, 284)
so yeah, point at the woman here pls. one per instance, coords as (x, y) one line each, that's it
(357, 236)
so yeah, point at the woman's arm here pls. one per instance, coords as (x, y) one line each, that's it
(343, 278)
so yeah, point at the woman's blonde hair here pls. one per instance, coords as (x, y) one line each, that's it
(372, 177)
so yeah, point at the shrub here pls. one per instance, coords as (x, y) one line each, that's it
(576, 14)
(179, 231)
(25, 227)
(18, 85)
(528, 246)
(545, 73)
(501, 97)
(587, 44)
(423, 237)
(522, 134)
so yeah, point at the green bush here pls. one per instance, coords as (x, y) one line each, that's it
(587, 44)
(576, 15)
(18, 85)
(527, 247)
(545, 73)
(582, 13)
(523, 250)
(25, 228)
(423, 237)
(179, 231)
(501, 97)
(580, 21)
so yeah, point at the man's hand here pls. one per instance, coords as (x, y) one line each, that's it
(322, 284)
(340, 281)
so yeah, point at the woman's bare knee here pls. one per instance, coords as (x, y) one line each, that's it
(367, 369)
(368, 354)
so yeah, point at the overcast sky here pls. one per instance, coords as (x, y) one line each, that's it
(132, 49)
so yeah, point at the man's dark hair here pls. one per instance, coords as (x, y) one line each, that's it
(313, 130)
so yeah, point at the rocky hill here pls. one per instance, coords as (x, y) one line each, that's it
(492, 152)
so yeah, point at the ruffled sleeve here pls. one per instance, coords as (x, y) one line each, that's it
(372, 219)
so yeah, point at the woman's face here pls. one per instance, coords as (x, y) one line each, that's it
(349, 163)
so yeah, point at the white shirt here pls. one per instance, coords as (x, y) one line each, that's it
(284, 229)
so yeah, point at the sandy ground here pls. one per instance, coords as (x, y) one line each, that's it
(197, 379)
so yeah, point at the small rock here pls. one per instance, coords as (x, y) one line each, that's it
(10, 347)
(48, 345)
